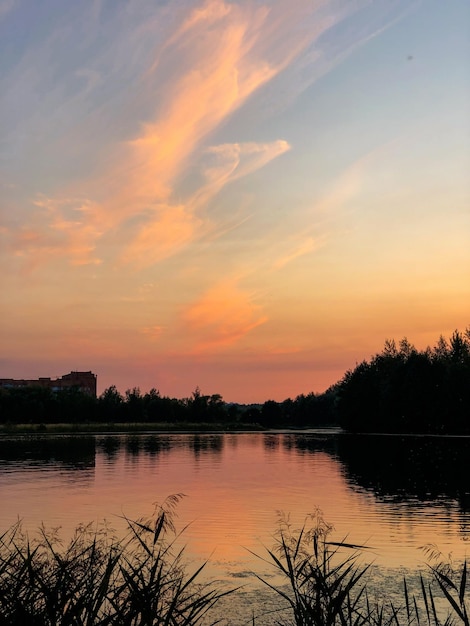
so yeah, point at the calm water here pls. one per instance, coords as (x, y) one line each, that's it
(393, 494)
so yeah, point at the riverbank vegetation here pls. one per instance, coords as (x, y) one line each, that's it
(399, 390)
(405, 390)
(100, 580)
(116, 428)
(327, 584)
(143, 579)
(39, 409)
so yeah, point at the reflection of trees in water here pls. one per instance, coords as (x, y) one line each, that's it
(155, 445)
(404, 467)
(394, 468)
(132, 445)
(310, 443)
(207, 445)
(74, 453)
(271, 442)
(109, 446)
(231, 440)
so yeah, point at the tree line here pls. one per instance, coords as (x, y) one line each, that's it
(400, 389)
(40, 405)
(405, 390)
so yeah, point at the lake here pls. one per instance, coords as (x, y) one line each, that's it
(394, 494)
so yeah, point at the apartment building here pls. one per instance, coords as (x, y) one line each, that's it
(84, 381)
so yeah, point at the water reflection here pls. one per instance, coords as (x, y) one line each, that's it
(154, 445)
(210, 445)
(304, 444)
(391, 493)
(271, 442)
(109, 446)
(399, 468)
(73, 453)
(393, 468)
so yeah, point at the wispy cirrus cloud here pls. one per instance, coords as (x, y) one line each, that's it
(227, 312)
(229, 162)
(167, 230)
(305, 246)
(135, 98)
(330, 206)
(69, 234)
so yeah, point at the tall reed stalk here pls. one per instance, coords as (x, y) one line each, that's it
(322, 588)
(324, 584)
(142, 579)
(99, 580)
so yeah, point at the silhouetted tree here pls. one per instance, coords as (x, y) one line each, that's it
(74, 406)
(111, 405)
(134, 406)
(406, 390)
(202, 408)
(271, 414)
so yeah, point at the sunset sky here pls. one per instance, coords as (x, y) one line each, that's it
(248, 196)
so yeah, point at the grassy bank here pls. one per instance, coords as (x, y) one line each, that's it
(125, 427)
(142, 579)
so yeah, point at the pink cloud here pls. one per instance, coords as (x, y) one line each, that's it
(222, 316)
(61, 228)
(205, 69)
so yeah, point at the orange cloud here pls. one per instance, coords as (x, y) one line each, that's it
(218, 56)
(222, 316)
(163, 235)
(61, 229)
(213, 76)
(170, 228)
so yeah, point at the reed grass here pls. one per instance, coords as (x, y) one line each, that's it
(143, 579)
(99, 580)
(325, 584)
(320, 584)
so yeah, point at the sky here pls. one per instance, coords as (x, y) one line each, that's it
(248, 196)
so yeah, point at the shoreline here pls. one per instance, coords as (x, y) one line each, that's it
(152, 428)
